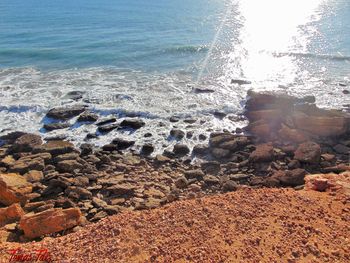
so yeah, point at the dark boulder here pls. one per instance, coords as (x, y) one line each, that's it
(132, 123)
(177, 134)
(56, 126)
(122, 144)
(88, 116)
(181, 150)
(65, 113)
(147, 149)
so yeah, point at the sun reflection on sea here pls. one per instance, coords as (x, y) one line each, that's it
(271, 31)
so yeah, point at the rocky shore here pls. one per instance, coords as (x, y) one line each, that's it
(51, 188)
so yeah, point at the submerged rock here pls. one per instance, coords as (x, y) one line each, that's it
(240, 81)
(177, 134)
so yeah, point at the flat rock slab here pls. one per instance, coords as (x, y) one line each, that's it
(13, 189)
(66, 113)
(50, 221)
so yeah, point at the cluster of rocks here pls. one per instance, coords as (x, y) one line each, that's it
(49, 187)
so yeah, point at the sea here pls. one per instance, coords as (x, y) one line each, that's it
(165, 58)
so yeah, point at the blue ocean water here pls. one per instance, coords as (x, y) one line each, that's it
(149, 57)
(137, 34)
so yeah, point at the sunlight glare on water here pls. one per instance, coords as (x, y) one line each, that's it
(270, 28)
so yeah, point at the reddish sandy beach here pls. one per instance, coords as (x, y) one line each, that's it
(250, 225)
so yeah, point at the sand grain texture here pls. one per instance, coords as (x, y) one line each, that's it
(264, 225)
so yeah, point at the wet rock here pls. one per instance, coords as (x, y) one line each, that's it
(174, 119)
(229, 186)
(90, 136)
(34, 176)
(10, 214)
(203, 90)
(67, 112)
(190, 121)
(14, 188)
(240, 81)
(56, 126)
(177, 134)
(181, 182)
(346, 92)
(341, 149)
(132, 123)
(147, 135)
(106, 121)
(147, 149)
(219, 114)
(217, 139)
(202, 137)
(181, 150)
(110, 147)
(123, 144)
(68, 166)
(12, 136)
(75, 95)
(258, 101)
(88, 116)
(55, 147)
(26, 143)
(200, 150)
(189, 134)
(86, 149)
(262, 153)
(309, 152)
(220, 153)
(211, 167)
(108, 127)
(50, 221)
(211, 180)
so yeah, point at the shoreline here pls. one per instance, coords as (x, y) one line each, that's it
(286, 141)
